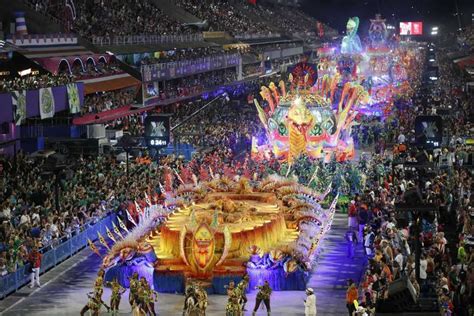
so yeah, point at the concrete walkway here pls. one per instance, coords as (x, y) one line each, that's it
(334, 269)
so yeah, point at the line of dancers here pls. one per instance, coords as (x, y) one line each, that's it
(142, 297)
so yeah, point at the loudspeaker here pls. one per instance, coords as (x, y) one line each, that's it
(401, 295)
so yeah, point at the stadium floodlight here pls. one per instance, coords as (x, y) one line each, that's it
(432, 60)
(434, 28)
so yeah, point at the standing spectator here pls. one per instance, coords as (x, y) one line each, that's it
(351, 238)
(310, 303)
(351, 296)
(363, 216)
(423, 274)
(401, 138)
(352, 215)
(369, 242)
(35, 261)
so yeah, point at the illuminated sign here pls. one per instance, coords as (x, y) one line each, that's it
(157, 130)
(411, 28)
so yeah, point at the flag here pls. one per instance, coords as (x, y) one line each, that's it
(93, 247)
(116, 230)
(102, 241)
(122, 225)
(147, 199)
(46, 103)
(109, 234)
(72, 8)
(130, 218)
(73, 98)
(19, 106)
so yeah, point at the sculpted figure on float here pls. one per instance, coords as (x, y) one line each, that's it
(351, 42)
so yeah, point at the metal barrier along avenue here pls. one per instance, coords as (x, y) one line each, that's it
(51, 258)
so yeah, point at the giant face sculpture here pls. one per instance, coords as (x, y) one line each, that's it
(305, 122)
(203, 246)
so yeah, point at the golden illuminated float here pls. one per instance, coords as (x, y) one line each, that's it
(222, 229)
(225, 229)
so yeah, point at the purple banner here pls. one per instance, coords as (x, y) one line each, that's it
(32, 102)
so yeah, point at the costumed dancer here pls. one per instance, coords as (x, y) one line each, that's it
(201, 296)
(233, 307)
(243, 285)
(195, 302)
(132, 296)
(148, 297)
(116, 296)
(95, 301)
(264, 293)
(138, 308)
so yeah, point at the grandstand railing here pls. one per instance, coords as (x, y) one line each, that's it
(13, 281)
(146, 39)
(257, 36)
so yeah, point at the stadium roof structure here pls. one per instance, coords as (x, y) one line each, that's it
(6, 47)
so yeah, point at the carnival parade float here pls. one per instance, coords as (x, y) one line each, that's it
(314, 120)
(312, 114)
(220, 230)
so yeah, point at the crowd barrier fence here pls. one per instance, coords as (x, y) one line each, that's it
(13, 281)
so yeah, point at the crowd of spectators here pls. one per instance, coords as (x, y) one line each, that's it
(112, 18)
(179, 55)
(230, 125)
(90, 188)
(224, 16)
(411, 175)
(281, 18)
(131, 125)
(251, 70)
(33, 82)
(389, 239)
(195, 84)
(238, 18)
(103, 101)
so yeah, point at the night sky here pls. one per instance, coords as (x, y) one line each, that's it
(431, 12)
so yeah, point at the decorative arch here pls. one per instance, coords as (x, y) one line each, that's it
(91, 59)
(79, 61)
(64, 64)
(102, 59)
